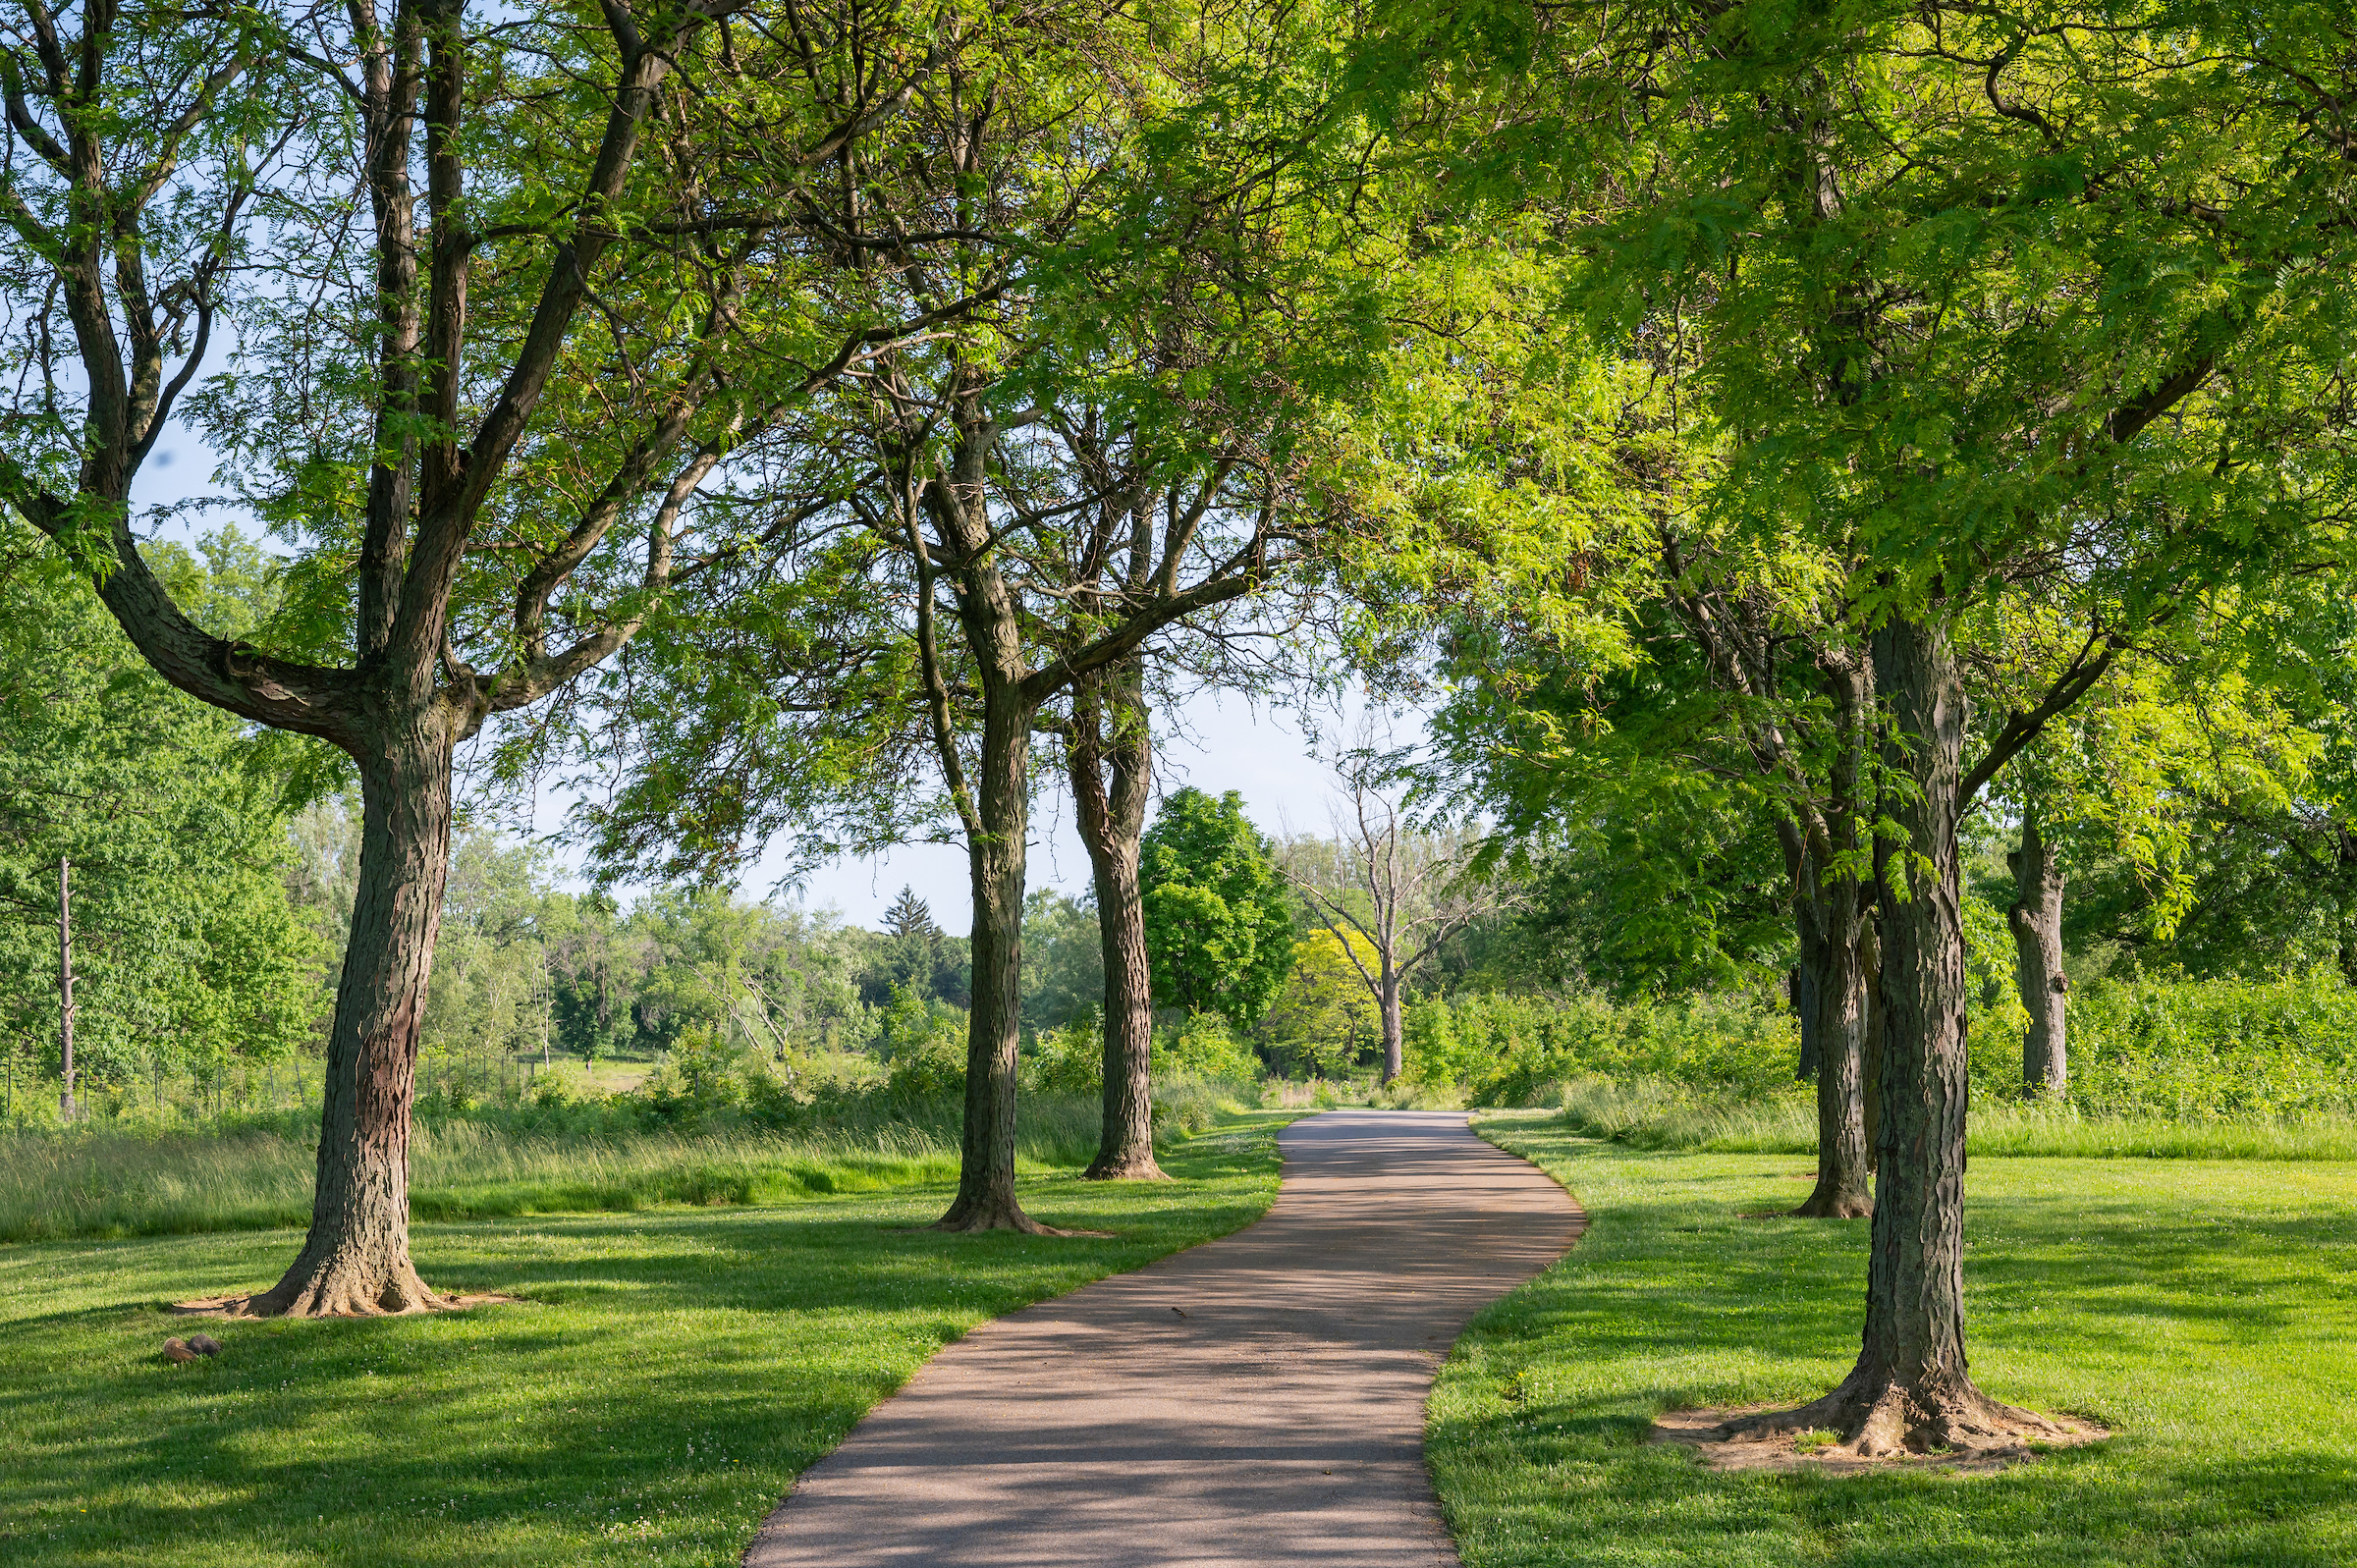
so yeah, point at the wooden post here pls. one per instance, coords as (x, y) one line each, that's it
(65, 987)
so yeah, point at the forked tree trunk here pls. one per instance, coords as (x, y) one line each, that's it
(995, 856)
(1113, 821)
(356, 1259)
(1835, 982)
(2036, 921)
(1912, 1389)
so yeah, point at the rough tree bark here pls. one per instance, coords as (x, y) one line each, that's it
(1395, 1033)
(356, 1258)
(1109, 732)
(1832, 959)
(1830, 905)
(996, 836)
(1800, 988)
(1911, 1389)
(405, 697)
(2036, 921)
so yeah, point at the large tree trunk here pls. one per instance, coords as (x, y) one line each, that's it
(1112, 820)
(1835, 972)
(356, 1261)
(2036, 921)
(995, 856)
(1912, 1389)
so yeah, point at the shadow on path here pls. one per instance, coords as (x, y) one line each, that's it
(1257, 1400)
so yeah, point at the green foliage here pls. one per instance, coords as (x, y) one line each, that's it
(1511, 1050)
(1648, 1114)
(1621, 792)
(924, 1045)
(1069, 1060)
(1219, 926)
(1203, 1046)
(2182, 1052)
(1064, 960)
(1325, 1019)
(188, 957)
(2200, 1049)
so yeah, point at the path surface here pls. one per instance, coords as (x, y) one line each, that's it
(1257, 1400)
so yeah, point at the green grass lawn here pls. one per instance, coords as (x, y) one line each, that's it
(2206, 1311)
(667, 1376)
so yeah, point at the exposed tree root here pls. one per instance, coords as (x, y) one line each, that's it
(1835, 1205)
(1137, 1166)
(1877, 1418)
(973, 1216)
(339, 1292)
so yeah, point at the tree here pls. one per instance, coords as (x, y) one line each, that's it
(2036, 921)
(913, 944)
(2003, 300)
(910, 918)
(1388, 894)
(188, 957)
(1064, 960)
(1110, 757)
(1080, 465)
(484, 405)
(1325, 1016)
(1219, 928)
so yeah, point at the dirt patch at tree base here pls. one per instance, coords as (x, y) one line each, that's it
(242, 1306)
(1704, 1432)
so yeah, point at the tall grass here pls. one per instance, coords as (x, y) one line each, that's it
(257, 1174)
(1649, 1113)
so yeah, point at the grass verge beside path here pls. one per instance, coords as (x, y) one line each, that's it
(667, 1376)
(2206, 1311)
(1649, 1113)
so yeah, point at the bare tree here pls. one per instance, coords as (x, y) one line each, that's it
(1403, 890)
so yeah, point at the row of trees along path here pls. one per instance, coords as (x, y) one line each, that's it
(897, 382)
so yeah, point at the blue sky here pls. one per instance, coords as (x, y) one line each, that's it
(1214, 741)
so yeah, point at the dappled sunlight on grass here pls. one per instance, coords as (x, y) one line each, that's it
(2203, 1310)
(666, 1375)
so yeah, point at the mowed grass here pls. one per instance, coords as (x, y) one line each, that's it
(667, 1375)
(2206, 1311)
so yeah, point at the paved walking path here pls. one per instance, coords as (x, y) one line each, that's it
(1257, 1400)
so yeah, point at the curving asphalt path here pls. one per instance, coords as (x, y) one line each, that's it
(1253, 1402)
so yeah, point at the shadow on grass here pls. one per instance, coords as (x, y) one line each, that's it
(2206, 1319)
(666, 1377)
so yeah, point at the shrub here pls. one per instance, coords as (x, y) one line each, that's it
(1204, 1046)
(1510, 1050)
(1069, 1060)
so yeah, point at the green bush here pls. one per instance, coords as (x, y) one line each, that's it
(2196, 1050)
(1510, 1050)
(1206, 1047)
(1647, 1113)
(1069, 1060)
(2150, 1049)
